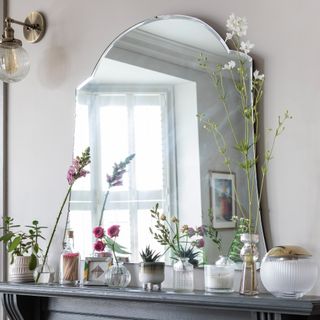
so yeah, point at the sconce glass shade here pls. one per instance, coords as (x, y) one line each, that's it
(14, 62)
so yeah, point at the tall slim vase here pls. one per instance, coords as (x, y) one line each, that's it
(249, 254)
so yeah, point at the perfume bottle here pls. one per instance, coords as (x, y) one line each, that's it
(69, 262)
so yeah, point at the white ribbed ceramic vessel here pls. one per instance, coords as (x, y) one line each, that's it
(289, 276)
(19, 270)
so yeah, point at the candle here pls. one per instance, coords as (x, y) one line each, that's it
(218, 278)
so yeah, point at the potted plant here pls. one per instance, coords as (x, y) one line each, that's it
(23, 248)
(151, 270)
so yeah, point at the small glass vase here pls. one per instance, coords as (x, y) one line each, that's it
(44, 274)
(183, 275)
(118, 276)
(220, 276)
(249, 254)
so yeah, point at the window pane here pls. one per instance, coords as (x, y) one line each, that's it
(148, 147)
(80, 223)
(114, 141)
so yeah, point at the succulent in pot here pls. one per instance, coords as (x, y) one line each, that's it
(151, 270)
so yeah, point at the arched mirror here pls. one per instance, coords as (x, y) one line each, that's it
(143, 98)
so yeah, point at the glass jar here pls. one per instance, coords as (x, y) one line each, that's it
(288, 271)
(249, 254)
(220, 276)
(118, 276)
(69, 263)
(44, 274)
(183, 275)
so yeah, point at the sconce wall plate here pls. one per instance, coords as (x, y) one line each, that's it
(34, 35)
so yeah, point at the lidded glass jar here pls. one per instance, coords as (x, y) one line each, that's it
(288, 271)
(183, 275)
(69, 262)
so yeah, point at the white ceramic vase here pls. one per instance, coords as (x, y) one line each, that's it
(19, 270)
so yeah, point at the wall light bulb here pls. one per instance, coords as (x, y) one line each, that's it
(14, 64)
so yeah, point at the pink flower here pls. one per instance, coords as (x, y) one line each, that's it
(113, 231)
(98, 232)
(76, 170)
(99, 246)
(200, 243)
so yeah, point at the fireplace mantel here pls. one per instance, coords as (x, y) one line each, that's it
(56, 302)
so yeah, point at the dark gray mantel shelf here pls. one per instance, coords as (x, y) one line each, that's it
(30, 301)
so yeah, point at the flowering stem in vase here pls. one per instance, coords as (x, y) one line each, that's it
(53, 232)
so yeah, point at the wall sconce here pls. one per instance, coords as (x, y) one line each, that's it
(14, 60)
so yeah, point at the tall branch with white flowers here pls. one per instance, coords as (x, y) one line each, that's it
(249, 109)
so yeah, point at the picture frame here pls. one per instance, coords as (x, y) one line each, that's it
(222, 196)
(95, 269)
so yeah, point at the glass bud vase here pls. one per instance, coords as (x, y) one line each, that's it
(183, 275)
(249, 254)
(44, 274)
(118, 276)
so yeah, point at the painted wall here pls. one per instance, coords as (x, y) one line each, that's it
(41, 108)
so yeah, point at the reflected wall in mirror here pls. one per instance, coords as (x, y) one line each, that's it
(143, 98)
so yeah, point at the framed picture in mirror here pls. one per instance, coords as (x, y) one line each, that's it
(222, 199)
(95, 270)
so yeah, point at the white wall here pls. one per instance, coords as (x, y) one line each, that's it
(41, 108)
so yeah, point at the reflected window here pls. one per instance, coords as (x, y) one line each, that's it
(116, 125)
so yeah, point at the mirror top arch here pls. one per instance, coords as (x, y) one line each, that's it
(189, 32)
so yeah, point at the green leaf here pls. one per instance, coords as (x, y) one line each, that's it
(16, 241)
(5, 238)
(33, 262)
(36, 248)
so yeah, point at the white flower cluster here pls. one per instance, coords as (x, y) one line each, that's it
(228, 66)
(238, 26)
(258, 76)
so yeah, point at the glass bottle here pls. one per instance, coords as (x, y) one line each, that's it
(44, 273)
(69, 262)
(183, 275)
(249, 254)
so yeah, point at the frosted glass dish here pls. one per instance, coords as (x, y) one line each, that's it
(288, 272)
